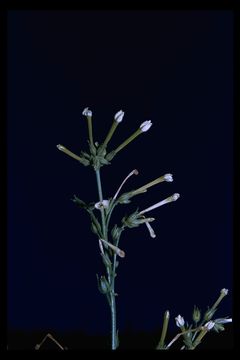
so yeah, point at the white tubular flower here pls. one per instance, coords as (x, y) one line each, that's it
(101, 246)
(224, 291)
(168, 177)
(209, 325)
(119, 116)
(223, 321)
(87, 112)
(179, 321)
(145, 126)
(150, 229)
(118, 251)
(134, 172)
(174, 197)
(102, 204)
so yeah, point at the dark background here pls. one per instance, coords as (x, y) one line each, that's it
(173, 67)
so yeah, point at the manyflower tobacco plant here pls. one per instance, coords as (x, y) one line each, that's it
(100, 213)
(108, 240)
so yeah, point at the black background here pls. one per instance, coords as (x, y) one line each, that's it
(173, 67)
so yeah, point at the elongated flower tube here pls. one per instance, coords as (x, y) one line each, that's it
(164, 330)
(101, 246)
(223, 293)
(71, 154)
(166, 177)
(88, 113)
(174, 197)
(145, 126)
(150, 229)
(133, 172)
(223, 321)
(118, 251)
(118, 117)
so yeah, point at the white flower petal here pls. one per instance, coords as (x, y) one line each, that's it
(119, 116)
(145, 126)
(87, 112)
(179, 321)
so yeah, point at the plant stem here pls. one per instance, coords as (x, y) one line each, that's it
(90, 133)
(100, 194)
(164, 330)
(128, 140)
(110, 133)
(111, 277)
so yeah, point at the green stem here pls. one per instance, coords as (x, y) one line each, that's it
(198, 339)
(128, 140)
(164, 330)
(111, 277)
(100, 194)
(90, 133)
(110, 133)
(217, 302)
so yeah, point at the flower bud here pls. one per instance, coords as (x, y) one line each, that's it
(87, 112)
(179, 321)
(119, 116)
(209, 325)
(104, 285)
(145, 126)
(196, 314)
(224, 291)
(102, 204)
(168, 177)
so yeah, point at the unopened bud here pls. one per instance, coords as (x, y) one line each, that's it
(119, 116)
(145, 126)
(179, 321)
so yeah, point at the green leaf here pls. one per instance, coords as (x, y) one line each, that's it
(104, 285)
(101, 151)
(110, 155)
(218, 327)
(188, 340)
(96, 163)
(103, 161)
(79, 202)
(209, 314)
(94, 229)
(96, 224)
(84, 162)
(116, 232)
(85, 155)
(106, 260)
(92, 149)
(124, 199)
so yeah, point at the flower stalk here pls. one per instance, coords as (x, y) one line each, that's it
(143, 128)
(117, 119)
(161, 343)
(166, 177)
(88, 114)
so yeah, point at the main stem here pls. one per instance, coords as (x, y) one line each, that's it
(110, 277)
